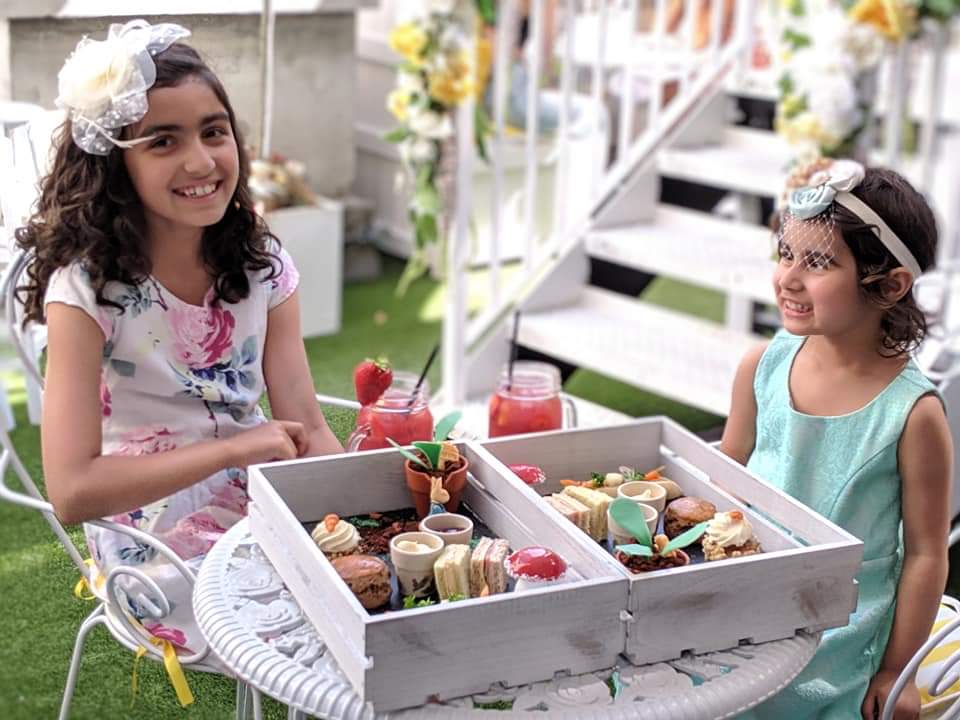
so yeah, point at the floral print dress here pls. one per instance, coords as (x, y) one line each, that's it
(174, 374)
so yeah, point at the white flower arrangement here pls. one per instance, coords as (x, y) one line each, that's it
(444, 62)
(828, 56)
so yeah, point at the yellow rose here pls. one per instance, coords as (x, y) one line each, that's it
(398, 103)
(484, 62)
(93, 75)
(408, 40)
(450, 89)
(894, 19)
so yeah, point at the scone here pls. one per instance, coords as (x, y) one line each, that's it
(685, 512)
(367, 576)
(729, 535)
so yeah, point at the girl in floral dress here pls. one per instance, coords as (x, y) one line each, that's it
(169, 307)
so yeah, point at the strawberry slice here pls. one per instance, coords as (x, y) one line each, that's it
(371, 378)
(530, 474)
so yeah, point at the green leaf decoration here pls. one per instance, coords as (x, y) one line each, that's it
(634, 549)
(412, 457)
(597, 479)
(683, 539)
(410, 602)
(456, 597)
(398, 135)
(431, 450)
(630, 517)
(445, 425)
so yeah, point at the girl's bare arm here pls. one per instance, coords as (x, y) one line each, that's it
(84, 484)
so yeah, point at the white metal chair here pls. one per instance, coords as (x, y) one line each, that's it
(110, 605)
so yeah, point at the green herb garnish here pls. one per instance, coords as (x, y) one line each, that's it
(410, 602)
(456, 597)
(363, 522)
(596, 479)
(495, 705)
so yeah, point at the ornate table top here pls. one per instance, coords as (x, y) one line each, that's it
(256, 627)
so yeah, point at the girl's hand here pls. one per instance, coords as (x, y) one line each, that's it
(273, 440)
(908, 703)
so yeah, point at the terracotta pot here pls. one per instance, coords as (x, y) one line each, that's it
(419, 484)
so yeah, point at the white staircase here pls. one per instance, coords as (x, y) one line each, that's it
(681, 357)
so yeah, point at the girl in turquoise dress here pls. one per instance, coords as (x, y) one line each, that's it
(836, 413)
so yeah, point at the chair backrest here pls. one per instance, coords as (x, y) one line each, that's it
(34, 499)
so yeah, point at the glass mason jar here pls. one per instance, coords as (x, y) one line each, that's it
(530, 401)
(401, 414)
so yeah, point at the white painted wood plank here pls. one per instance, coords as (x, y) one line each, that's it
(696, 247)
(762, 597)
(436, 650)
(746, 160)
(671, 354)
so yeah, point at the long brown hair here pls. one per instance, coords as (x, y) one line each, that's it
(89, 212)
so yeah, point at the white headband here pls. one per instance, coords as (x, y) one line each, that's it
(833, 185)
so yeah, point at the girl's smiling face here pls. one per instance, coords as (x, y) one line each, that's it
(816, 282)
(186, 175)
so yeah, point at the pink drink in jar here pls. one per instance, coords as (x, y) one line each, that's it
(401, 414)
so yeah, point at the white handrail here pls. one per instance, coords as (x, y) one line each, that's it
(939, 34)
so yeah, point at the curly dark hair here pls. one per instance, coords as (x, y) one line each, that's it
(89, 212)
(890, 195)
(903, 326)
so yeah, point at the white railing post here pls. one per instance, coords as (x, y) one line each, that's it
(939, 34)
(627, 73)
(745, 36)
(894, 107)
(458, 250)
(656, 77)
(598, 85)
(505, 38)
(561, 185)
(535, 54)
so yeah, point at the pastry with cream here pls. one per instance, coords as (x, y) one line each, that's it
(451, 571)
(729, 535)
(336, 537)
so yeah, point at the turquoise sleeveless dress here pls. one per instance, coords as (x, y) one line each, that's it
(845, 468)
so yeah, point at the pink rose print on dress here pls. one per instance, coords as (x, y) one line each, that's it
(201, 336)
(147, 441)
(105, 400)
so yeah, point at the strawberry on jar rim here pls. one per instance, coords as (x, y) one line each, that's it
(371, 378)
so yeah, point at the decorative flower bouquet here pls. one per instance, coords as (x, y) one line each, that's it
(830, 57)
(438, 72)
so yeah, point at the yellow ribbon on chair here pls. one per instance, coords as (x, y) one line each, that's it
(82, 590)
(174, 671)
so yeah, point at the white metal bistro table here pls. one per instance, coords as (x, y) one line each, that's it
(256, 628)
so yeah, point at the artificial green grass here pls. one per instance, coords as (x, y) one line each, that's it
(41, 616)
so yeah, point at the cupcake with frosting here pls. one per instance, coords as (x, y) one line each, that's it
(729, 535)
(336, 537)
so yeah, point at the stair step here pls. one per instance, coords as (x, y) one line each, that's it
(695, 247)
(674, 355)
(746, 160)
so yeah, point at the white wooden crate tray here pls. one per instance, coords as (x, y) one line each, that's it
(400, 659)
(803, 579)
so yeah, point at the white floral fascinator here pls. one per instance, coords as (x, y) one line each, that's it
(832, 182)
(103, 84)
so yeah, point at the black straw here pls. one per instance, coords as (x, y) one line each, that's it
(514, 349)
(423, 375)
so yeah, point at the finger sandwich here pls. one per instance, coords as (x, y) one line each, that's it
(487, 567)
(571, 508)
(452, 571)
(597, 503)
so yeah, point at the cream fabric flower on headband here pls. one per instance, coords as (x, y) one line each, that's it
(822, 188)
(103, 84)
(95, 74)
